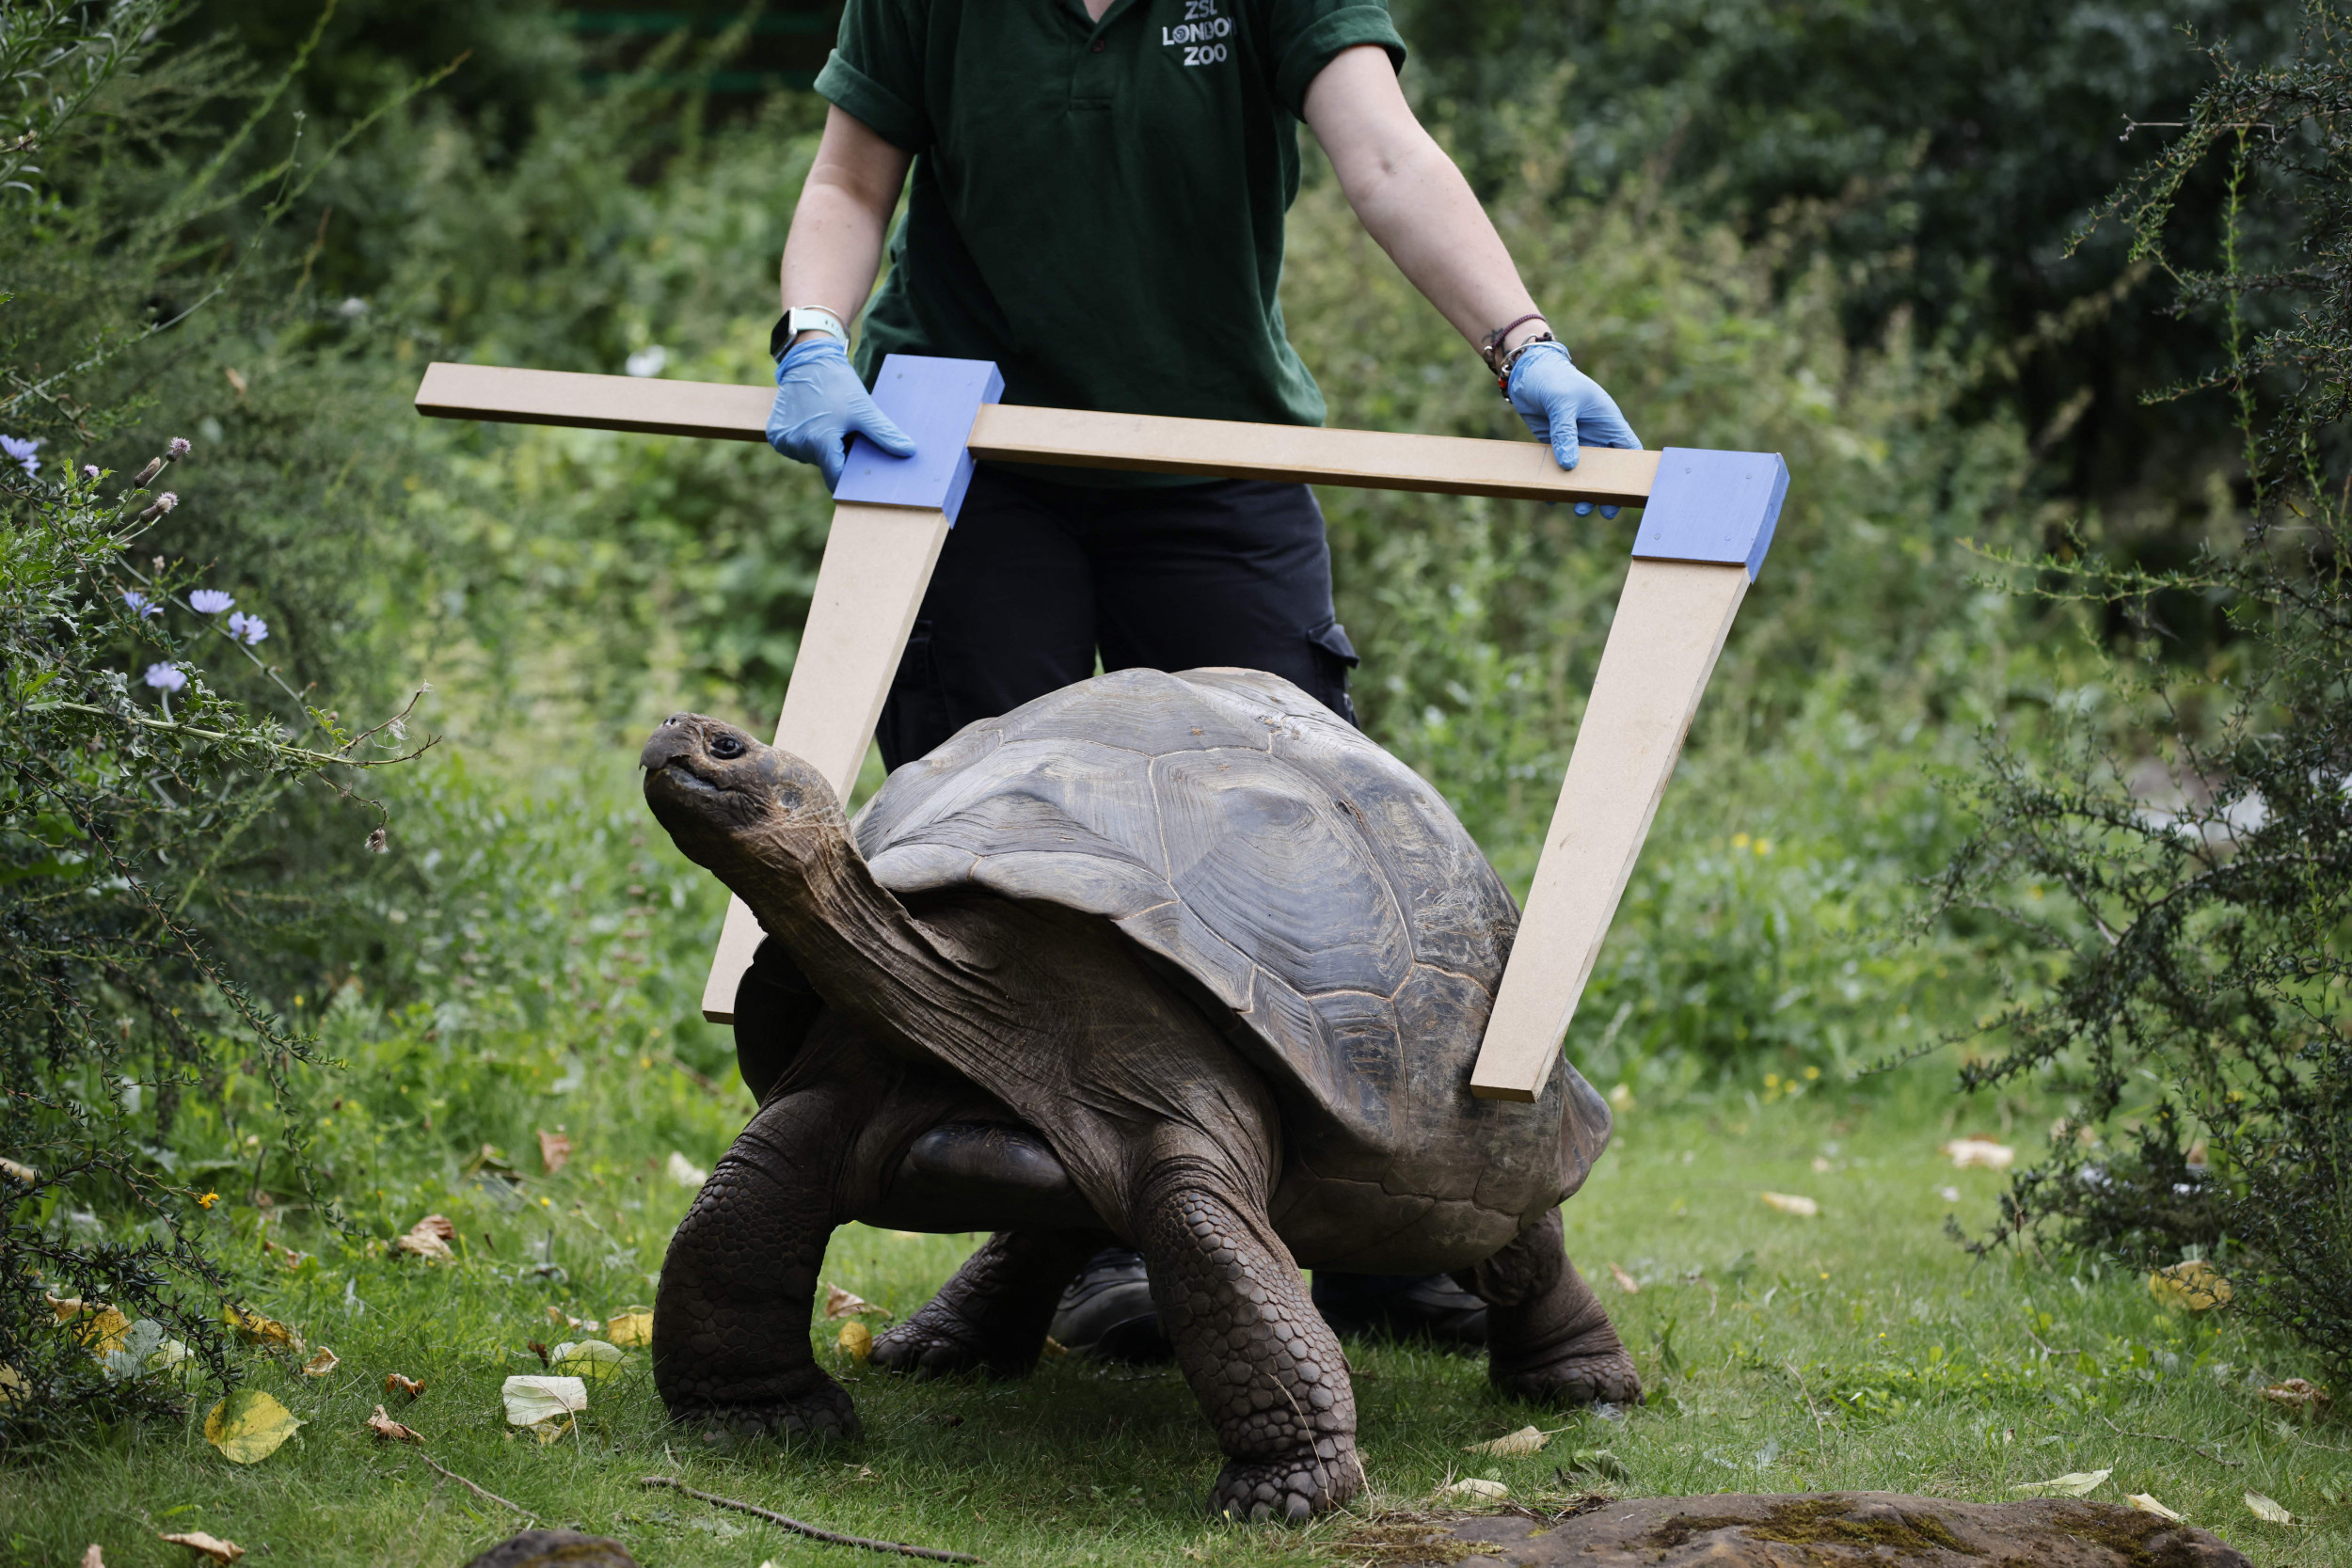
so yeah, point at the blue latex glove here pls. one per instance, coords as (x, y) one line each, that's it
(1563, 406)
(821, 404)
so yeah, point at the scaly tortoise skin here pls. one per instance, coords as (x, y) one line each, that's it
(1179, 959)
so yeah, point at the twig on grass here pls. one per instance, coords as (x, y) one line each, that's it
(2160, 1437)
(813, 1532)
(489, 1497)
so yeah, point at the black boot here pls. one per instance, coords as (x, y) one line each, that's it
(1402, 1307)
(1108, 1311)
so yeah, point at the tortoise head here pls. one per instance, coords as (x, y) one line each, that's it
(733, 804)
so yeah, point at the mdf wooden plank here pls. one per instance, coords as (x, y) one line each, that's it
(1064, 437)
(878, 561)
(1671, 619)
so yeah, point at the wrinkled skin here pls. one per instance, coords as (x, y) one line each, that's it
(1030, 1038)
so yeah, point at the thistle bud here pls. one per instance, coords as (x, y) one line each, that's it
(160, 505)
(154, 466)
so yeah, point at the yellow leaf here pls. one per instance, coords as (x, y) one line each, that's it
(631, 1325)
(212, 1547)
(1791, 1203)
(593, 1360)
(12, 1385)
(856, 1342)
(2263, 1509)
(319, 1364)
(2078, 1483)
(1525, 1440)
(2147, 1504)
(1055, 1347)
(103, 1331)
(268, 1333)
(840, 1304)
(2195, 1285)
(547, 1431)
(1624, 1280)
(248, 1426)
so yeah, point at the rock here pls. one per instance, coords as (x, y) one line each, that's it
(555, 1549)
(1819, 1530)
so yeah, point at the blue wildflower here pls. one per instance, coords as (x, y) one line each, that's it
(141, 606)
(210, 601)
(20, 448)
(166, 677)
(247, 629)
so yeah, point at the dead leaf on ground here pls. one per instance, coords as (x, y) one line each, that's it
(547, 1431)
(103, 1331)
(268, 1333)
(856, 1342)
(1624, 1280)
(428, 1238)
(1595, 1461)
(591, 1359)
(2195, 1285)
(94, 1558)
(2077, 1483)
(530, 1400)
(395, 1383)
(211, 1546)
(1974, 1152)
(65, 1307)
(2267, 1511)
(12, 1385)
(384, 1426)
(1525, 1440)
(1791, 1203)
(323, 1363)
(2297, 1394)
(1055, 1347)
(555, 1151)
(248, 1426)
(840, 1304)
(1472, 1486)
(2147, 1504)
(630, 1325)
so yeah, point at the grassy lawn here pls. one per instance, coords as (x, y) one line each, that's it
(1858, 1347)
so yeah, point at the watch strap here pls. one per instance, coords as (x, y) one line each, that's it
(804, 318)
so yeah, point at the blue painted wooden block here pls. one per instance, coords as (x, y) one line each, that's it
(934, 400)
(1713, 506)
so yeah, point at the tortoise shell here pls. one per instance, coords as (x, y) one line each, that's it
(1317, 896)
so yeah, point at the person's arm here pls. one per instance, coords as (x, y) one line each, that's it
(830, 259)
(1416, 205)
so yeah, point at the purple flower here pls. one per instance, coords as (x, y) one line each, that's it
(247, 629)
(20, 448)
(179, 447)
(210, 601)
(141, 606)
(166, 677)
(157, 507)
(89, 471)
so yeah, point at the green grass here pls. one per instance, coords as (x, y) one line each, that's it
(1856, 1349)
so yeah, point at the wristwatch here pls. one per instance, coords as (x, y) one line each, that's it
(804, 318)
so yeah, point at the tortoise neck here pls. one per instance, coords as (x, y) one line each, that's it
(863, 951)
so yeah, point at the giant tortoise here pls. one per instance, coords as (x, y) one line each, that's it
(1181, 960)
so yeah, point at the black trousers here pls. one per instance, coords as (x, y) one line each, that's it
(1037, 579)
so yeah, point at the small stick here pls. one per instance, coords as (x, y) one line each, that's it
(2160, 1437)
(491, 1497)
(811, 1530)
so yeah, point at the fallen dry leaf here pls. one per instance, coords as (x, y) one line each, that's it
(532, 1400)
(685, 1172)
(557, 1315)
(395, 1383)
(1624, 1280)
(268, 1333)
(1820, 1164)
(2297, 1394)
(65, 1307)
(1055, 1347)
(1525, 1440)
(856, 1342)
(2077, 1483)
(1597, 1461)
(1791, 1203)
(547, 1431)
(428, 1238)
(323, 1363)
(2264, 1509)
(840, 1304)
(1971, 1152)
(212, 1547)
(104, 1331)
(2147, 1504)
(248, 1426)
(630, 1325)
(384, 1426)
(2195, 1285)
(24, 1173)
(94, 1558)
(1471, 1486)
(555, 1151)
(12, 1385)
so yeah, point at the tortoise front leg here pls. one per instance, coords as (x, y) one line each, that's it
(730, 1327)
(1549, 1338)
(1265, 1367)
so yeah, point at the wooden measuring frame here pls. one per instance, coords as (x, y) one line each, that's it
(1708, 519)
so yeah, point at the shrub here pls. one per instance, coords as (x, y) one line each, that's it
(2200, 900)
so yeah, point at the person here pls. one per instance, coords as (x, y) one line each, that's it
(1098, 196)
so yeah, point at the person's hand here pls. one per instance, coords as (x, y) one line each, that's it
(1563, 406)
(821, 404)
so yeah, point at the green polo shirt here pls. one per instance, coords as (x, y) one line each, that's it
(1097, 206)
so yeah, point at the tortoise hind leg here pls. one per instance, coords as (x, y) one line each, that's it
(992, 1315)
(1549, 1338)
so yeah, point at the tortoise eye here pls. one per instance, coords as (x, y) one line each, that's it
(725, 746)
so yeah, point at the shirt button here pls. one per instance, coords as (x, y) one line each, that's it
(1098, 46)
